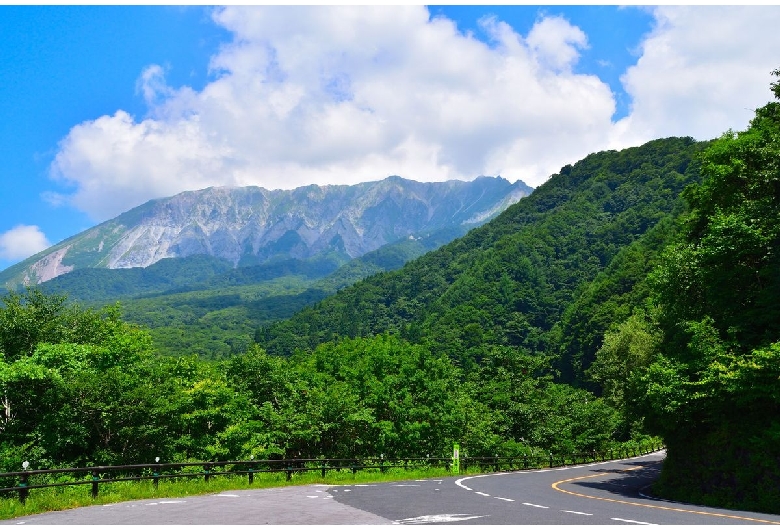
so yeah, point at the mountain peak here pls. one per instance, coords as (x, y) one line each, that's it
(251, 225)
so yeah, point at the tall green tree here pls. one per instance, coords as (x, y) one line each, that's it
(713, 391)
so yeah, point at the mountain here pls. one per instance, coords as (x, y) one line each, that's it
(548, 276)
(253, 226)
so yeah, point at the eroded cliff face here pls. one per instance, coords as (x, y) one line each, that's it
(255, 224)
(48, 267)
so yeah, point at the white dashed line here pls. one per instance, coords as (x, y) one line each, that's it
(504, 499)
(312, 496)
(440, 518)
(536, 505)
(225, 495)
(175, 502)
(483, 494)
(631, 521)
(576, 513)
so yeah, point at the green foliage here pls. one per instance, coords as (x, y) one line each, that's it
(544, 266)
(711, 390)
(204, 306)
(631, 346)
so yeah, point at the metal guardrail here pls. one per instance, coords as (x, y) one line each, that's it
(96, 475)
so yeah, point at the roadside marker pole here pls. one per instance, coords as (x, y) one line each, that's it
(456, 459)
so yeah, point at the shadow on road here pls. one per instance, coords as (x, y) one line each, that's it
(624, 483)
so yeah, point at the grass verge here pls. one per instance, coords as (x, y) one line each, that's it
(67, 497)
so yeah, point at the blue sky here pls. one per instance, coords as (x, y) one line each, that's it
(106, 107)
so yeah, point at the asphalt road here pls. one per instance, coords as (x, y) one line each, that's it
(604, 493)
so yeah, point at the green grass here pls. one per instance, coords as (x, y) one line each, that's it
(67, 497)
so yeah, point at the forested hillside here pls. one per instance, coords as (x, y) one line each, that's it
(202, 305)
(118, 402)
(702, 364)
(547, 277)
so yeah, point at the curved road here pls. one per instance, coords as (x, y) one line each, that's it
(603, 493)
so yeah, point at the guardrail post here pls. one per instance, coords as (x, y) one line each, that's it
(525, 461)
(156, 475)
(24, 492)
(206, 472)
(95, 484)
(251, 475)
(551, 460)
(382, 463)
(289, 471)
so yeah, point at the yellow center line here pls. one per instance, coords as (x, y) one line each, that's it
(713, 514)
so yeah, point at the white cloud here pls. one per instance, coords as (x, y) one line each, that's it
(22, 241)
(349, 94)
(702, 71)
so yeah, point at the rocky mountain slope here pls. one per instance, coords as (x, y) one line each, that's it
(252, 225)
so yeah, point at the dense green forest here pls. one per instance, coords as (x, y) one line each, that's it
(706, 352)
(203, 305)
(548, 276)
(635, 294)
(81, 387)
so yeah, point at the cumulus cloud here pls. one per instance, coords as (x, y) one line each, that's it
(22, 241)
(702, 71)
(349, 94)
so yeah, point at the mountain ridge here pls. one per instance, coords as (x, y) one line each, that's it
(252, 225)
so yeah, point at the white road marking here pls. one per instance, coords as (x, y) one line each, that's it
(312, 496)
(483, 494)
(504, 499)
(347, 490)
(576, 513)
(175, 502)
(631, 521)
(225, 495)
(536, 505)
(406, 485)
(151, 504)
(440, 518)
